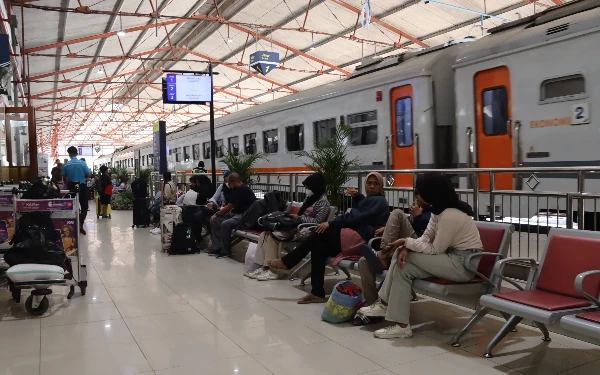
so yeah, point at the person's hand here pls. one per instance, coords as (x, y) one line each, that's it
(294, 216)
(210, 205)
(415, 210)
(379, 232)
(402, 256)
(322, 227)
(352, 192)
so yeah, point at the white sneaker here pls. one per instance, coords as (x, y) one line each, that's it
(268, 275)
(376, 310)
(256, 273)
(155, 231)
(394, 332)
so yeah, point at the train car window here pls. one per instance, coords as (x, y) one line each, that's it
(495, 111)
(196, 152)
(250, 143)
(151, 159)
(186, 153)
(143, 161)
(234, 145)
(294, 137)
(219, 149)
(323, 129)
(404, 128)
(271, 141)
(563, 88)
(206, 150)
(364, 128)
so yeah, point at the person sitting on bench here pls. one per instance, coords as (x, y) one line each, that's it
(440, 252)
(345, 231)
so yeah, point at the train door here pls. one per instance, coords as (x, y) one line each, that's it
(493, 121)
(402, 138)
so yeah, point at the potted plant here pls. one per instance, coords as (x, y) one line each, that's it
(242, 164)
(331, 158)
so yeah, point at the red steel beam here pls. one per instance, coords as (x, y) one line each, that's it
(557, 2)
(382, 23)
(91, 65)
(295, 51)
(116, 112)
(70, 100)
(245, 71)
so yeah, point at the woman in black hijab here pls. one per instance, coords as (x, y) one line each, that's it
(315, 209)
(441, 252)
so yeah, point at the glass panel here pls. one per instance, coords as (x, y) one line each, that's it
(234, 145)
(19, 140)
(206, 148)
(404, 130)
(324, 128)
(364, 135)
(271, 141)
(186, 153)
(563, 87)
(294, 138)
(362, 117)
(196, 151)
(250, 143)
(495, 111)
(219, 150)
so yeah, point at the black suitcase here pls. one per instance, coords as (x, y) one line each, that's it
(182, 240)
(141, 215)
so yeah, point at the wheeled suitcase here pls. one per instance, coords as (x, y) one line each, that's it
(141, 215)
(182, 240)
(169, 217)
(99, 208)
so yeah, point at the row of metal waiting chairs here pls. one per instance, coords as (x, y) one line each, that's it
(562, 288)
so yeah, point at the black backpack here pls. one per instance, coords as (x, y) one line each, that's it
(41, 189)
(183, 240)
(35, 242)
(279, 221)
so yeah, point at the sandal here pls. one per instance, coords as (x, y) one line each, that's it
(277, 264)
(311, 298)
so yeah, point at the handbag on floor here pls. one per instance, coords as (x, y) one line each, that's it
(343, 303)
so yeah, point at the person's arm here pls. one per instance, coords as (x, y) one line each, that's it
(217, 195)
(225, 210)
(357, 217)
(320, 210)
(86, 170)
(445, 229)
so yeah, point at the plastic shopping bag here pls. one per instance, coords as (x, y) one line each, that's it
(249, 265)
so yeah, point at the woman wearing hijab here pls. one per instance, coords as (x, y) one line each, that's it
(440, 252)
(345, 232)
(314, 210)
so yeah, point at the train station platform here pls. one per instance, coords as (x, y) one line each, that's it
(148, 313)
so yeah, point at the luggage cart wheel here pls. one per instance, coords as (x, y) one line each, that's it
(41, 307)
(83, 287)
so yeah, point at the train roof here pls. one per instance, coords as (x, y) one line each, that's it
(553, 23)
(380, 72)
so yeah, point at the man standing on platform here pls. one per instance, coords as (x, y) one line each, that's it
(77, 173)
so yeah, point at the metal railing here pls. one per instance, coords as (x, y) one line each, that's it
(571, 200)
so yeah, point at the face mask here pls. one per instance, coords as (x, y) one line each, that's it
(229, 186)
(309, 192)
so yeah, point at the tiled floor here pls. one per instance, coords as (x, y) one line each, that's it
(147, 313)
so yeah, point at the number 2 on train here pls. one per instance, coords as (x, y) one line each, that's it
(580, 113)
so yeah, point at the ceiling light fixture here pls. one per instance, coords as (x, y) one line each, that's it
(100, 71)
(312, 47)
(121, 32)
(229, 40)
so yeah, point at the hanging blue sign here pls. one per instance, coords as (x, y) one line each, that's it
(264, 61)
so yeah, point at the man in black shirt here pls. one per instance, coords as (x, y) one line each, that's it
(230, 217)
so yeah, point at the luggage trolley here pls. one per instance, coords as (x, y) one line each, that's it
(64, 214)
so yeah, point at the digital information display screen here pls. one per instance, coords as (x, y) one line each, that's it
(186, 89)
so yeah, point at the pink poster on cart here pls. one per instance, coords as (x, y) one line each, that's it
(7, 226)
(66, 235)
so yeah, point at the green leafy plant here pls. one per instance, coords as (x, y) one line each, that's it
(145, 173)
(119, 171)
(242, 164)
(331, 159)
(123, 201)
